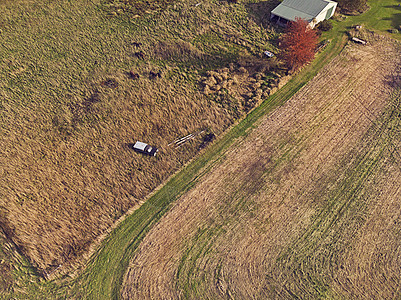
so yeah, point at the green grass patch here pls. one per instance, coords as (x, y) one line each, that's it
(382, 16)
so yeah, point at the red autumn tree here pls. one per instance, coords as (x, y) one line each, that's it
(298, 44)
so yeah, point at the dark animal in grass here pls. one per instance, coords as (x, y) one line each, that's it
(206, 140)
(153, 75)
(140, 55)
(95, 97)
(136, 45)
(111, 83)
(133, 75)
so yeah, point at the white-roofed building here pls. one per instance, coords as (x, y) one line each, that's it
(313, 11)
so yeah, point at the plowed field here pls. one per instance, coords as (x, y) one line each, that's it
(306, 205)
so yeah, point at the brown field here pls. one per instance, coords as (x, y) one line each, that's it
(306, 205)
(76, 87)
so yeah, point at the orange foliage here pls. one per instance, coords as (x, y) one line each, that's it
(299, 44)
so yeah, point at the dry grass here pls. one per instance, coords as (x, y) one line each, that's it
(6, 279)
(305, 206)
(135, 7)
(76, 89)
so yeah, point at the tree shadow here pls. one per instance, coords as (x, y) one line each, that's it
(396, 17)
(393, 80)
(260, 12)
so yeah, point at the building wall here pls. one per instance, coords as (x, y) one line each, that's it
(322, 15)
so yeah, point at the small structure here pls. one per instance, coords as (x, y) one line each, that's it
(359, 41)
(313, 11)
(145, 149)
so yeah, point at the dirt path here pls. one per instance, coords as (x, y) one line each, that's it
(305, 205)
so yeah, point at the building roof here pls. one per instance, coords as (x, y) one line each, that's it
(304, 9)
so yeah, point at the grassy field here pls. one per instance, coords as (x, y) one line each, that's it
(79, 84)
(382, 16)
(61, 135)
(292, 207)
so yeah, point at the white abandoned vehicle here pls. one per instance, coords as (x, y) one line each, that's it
(145, 148)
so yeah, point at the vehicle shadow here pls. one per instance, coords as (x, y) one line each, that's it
(129, 145)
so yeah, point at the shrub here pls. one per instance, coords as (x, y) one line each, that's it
(325, 25)
(352, 5)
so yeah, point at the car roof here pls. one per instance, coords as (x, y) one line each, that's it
(140, 145)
